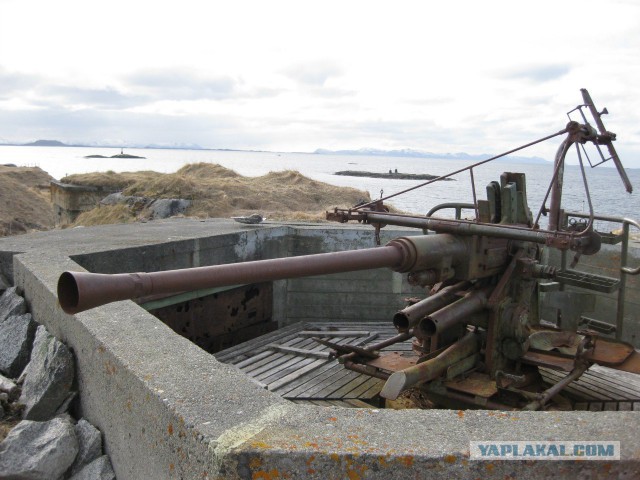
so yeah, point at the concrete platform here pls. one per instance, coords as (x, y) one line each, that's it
(168, 409)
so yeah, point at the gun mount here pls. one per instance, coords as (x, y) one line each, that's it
(478, 339)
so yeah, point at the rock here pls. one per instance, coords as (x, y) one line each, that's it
(38, 450)
(8, 386)
(1, 413)
(16, 339)
(168, 207)
(113, 199)
(251, 219)
(49, 377)
(99, 469)
(11, 304)
(132, 201)
(89, 445)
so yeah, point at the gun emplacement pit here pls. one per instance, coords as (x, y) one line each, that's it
(169, 409)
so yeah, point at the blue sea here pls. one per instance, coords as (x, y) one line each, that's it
(606, 189)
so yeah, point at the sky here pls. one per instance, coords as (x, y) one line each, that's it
(455, 76)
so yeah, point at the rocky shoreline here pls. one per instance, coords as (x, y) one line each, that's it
(395, 175)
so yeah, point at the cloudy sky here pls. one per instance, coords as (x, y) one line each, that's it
(472, 76)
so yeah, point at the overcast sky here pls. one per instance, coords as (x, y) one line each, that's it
(445, 76)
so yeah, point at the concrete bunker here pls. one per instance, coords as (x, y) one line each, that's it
(170, 410)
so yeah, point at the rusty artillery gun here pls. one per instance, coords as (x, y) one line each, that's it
(477, 337)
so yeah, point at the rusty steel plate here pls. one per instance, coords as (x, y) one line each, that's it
(631, 364)
(393, 361)
(548, 360)
(477, 384)
(609, 352)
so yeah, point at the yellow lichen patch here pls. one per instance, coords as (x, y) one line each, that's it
(170, 429)
(450, 458)
(259, 444)
(266, 475)
(406, 460)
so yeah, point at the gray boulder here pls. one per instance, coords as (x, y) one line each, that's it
(16, 339)
(38, 450)
(113, 199)
(11, 304)
(49, 377)
(99, 469)
(168, 207)
(89, 445)
(7, 386)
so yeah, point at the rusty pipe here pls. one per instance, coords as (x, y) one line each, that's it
(453, 313)
(410, 316)
(432, 368)
(79, 291)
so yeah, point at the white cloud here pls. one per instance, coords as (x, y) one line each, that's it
(286, 75)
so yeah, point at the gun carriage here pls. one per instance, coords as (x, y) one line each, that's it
(478, 339)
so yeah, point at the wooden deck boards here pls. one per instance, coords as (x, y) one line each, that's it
(289, 362)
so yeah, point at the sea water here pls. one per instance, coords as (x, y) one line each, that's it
(605, 187)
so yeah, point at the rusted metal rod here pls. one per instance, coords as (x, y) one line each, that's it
(432, 368)
(558, 387)
(79, 291)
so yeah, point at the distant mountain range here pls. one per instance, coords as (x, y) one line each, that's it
(406, 152)
(56, 143)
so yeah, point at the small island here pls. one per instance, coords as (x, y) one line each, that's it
(392, 175)
(119, 155)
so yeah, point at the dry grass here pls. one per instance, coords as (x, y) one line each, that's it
(109, 180)
(106, 215)
(24, 200)
(216, 191)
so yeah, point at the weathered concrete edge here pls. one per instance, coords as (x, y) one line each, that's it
(169, 410)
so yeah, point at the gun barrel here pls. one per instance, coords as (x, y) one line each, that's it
(79, 291)
(410, 316)
(453, 313)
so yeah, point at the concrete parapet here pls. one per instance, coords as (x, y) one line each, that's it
(168, 409)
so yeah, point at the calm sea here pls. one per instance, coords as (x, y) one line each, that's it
(607, 193)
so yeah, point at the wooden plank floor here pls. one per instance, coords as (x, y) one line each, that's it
(289, 362)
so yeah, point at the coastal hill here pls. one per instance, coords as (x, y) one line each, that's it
(211, 191)
(215, 191)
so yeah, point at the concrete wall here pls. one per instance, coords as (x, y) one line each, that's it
(607, 263)
(69, 201)
(167, 409)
